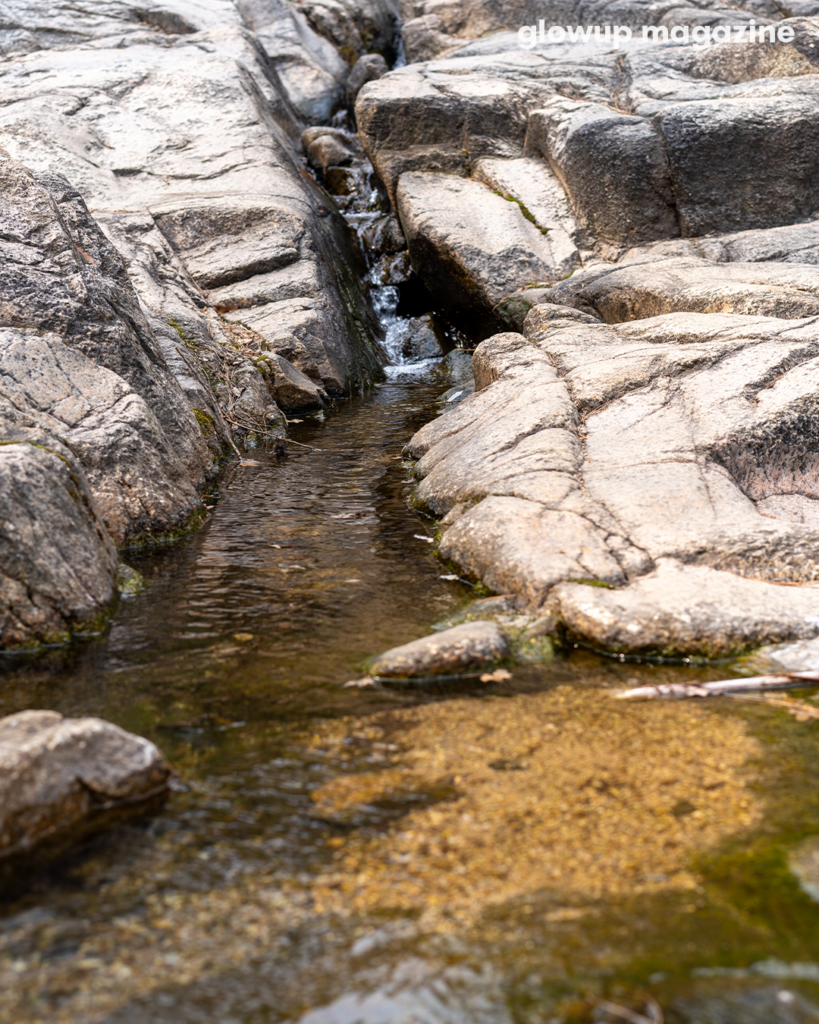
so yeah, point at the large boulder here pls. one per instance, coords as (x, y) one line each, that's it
(193, 170)
(59, 775)
(470, 246)
(57, 562)
(596, 453)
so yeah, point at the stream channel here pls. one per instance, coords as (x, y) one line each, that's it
(514, 852)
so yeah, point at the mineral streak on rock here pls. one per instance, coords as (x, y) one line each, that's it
(57, 773)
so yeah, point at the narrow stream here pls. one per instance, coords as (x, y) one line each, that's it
(510, 853)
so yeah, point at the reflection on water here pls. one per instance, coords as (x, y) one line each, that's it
(340, 856)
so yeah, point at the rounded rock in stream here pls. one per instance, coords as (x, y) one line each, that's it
(460, 649)
(57, 774)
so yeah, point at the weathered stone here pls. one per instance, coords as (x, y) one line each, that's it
(534, 187)
(683, 610)
(426, 38)
(523, 547)
(60, 774)
(294, 391)
(57, 562)
(366, 69)
(61, 274)
(140, 486)
(450, 652)
(447, 114)
(801, 656)
(647, 286)
(415, 339)
(308, 66)
(470, 246)
(613, 166)
(689, 451)
(384, 235)
(217, 176)
(328, 152)
(354, 27)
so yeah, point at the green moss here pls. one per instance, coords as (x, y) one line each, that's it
(594, 583)
(129, 581)
(186, 339)
(206, 422)
(526, 213)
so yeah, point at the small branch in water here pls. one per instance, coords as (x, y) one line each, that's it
(629, 1015)
(262, 433)
(783, 681)
(801, 711)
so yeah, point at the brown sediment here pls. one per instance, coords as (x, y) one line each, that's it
(556, 791)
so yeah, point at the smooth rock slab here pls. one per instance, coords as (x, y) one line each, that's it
(680, 610)
(451, 652)
(56, 773)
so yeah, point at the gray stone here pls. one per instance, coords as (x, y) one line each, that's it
(684, 610)
(613, 166)
(448, 114)
(328, 152)
(354, 27)
(458, 365)
(57, 562)
(366, 69)
(469, 246)
(310, 71)
(216, 179)
(61, 274)
(426, 38)
(60, 774)
(294, 391)
(533, 185)
(687, 456)
(450, 652)
(802, 656)
(416, 339)
(523, 547)
(745, 160)
(650, 284)
(384, 235)
(140, 486)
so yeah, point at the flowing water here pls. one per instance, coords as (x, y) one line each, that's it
(523, 852)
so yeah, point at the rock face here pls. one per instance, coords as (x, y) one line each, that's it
(470, 245)
(57, 774)
(637, 461)
(450, 652)
(170, 271)
(623, 455)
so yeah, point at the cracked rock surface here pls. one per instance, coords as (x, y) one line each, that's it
(672, 458)
(171, 273)
(638, 458)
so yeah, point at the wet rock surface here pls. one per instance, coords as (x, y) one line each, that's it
(57, 773)
(470, 646)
